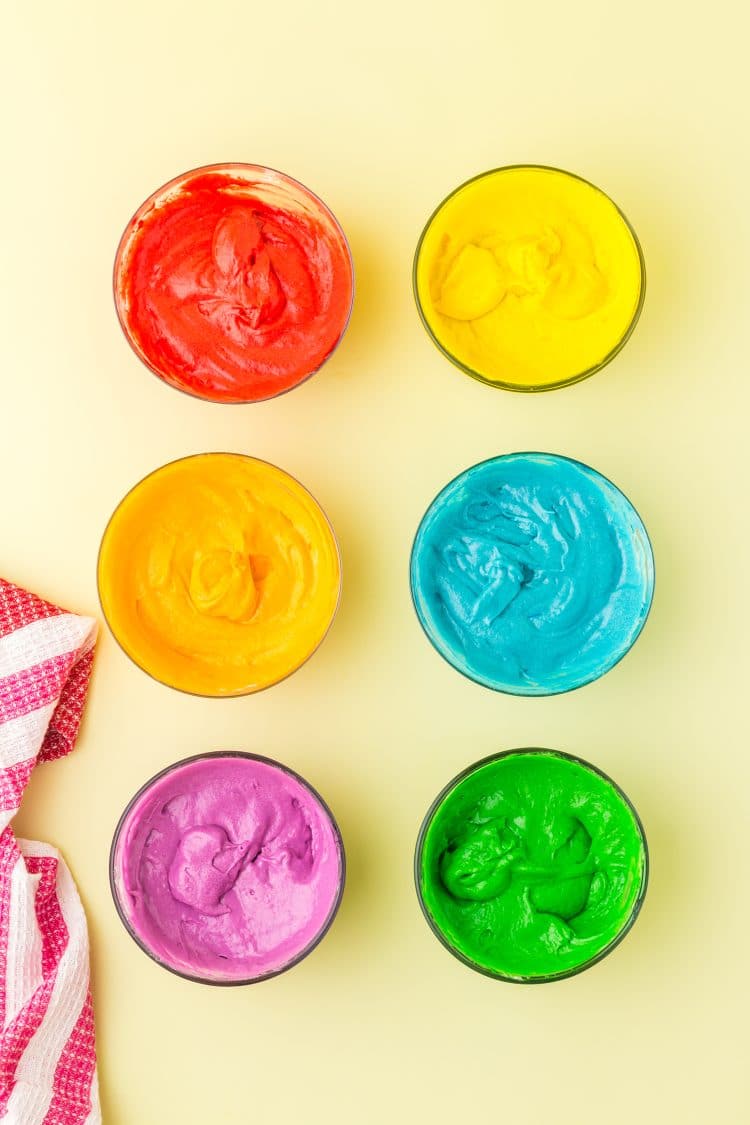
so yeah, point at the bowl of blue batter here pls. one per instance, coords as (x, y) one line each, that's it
(532, 574)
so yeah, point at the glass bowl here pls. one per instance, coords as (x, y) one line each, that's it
(183, 588)
(570, 902)
(127, 836)
(532, 574)
(523, 274)
(212, 275)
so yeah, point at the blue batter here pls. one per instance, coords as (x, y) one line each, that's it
(532, 574)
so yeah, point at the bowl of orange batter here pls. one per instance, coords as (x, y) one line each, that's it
(219, 574)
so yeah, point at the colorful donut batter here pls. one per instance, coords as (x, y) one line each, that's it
(219, 574)
(531, 865)
(227, 868)
(532, 574)
(234, 283)
(529, 277)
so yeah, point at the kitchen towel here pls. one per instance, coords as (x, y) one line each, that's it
(47, 1053)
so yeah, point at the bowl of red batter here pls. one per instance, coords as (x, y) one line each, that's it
(233, 283)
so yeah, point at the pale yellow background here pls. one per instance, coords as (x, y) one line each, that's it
(383, 109)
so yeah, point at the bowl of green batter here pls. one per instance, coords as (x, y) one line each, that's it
(531, 865)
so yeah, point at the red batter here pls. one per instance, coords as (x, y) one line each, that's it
(233, 283)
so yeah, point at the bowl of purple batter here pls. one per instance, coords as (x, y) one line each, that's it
(227, 868)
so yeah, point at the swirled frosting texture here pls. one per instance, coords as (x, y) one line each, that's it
(532, 865)
(532, 574)
(233, 283)
(219, 574)
(529, 277)
(227, 868)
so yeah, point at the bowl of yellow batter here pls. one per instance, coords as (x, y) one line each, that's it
(219, 574)
(529, 278)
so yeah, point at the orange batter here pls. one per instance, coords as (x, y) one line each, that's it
(219, 574)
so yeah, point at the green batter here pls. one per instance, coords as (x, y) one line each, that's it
(531, 865)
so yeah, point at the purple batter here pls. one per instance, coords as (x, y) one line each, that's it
(227, 868)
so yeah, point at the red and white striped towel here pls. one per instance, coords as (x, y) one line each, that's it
(47, 1055)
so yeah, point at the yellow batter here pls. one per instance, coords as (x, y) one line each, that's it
(219, 574)
(529, 277)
